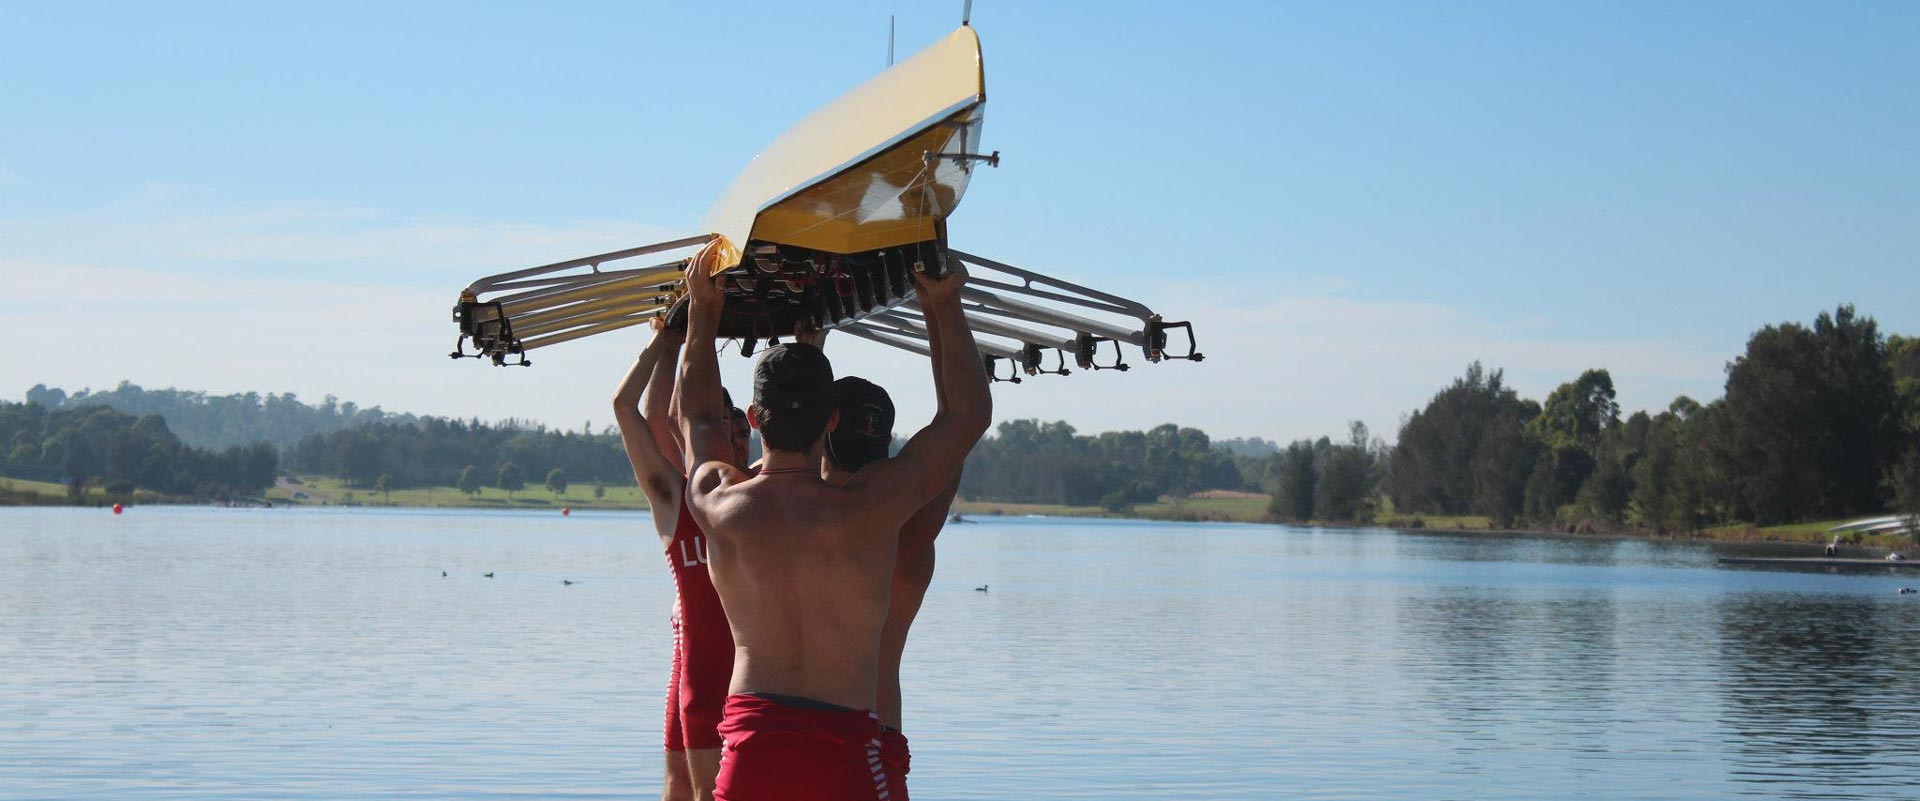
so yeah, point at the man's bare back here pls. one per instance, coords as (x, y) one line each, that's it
(862, 438)
(804, 569)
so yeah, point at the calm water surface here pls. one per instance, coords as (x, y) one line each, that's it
(274, 654)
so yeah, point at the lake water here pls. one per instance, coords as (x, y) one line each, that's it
(279, 654)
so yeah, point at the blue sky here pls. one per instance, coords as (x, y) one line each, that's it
(1351, 200)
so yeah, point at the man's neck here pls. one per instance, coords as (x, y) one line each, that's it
(788, 461)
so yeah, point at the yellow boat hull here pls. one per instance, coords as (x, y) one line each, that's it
(867, 171)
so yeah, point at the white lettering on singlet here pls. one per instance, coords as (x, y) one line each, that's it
(693, 556)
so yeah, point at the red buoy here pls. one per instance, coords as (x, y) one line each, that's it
(117, 509)
(564, 511)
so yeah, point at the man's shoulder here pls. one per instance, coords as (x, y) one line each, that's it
(714, 483)
(709, 476)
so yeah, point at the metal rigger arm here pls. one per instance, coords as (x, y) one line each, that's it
(1018, 316)
(512, 313)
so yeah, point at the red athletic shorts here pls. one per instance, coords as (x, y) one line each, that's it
(779, 751)
(896, 758)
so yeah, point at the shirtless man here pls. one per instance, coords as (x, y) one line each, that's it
(805, 567)
(702, 643)
(863, 436)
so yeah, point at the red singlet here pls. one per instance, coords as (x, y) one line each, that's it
(702, 644)
(781, 752)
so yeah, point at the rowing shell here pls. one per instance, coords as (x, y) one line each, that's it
(825, 229)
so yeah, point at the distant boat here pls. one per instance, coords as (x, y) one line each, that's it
(1876, 525)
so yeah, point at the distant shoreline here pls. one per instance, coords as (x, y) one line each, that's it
(1214, 507)
(1811, 534)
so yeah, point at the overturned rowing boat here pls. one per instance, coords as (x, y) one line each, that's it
(1895, 524)
(830, 223)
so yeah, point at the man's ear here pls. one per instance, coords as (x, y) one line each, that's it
(753, 416)
(833, 421)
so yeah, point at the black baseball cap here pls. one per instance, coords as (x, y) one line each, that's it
(865, 433)
(792, 377)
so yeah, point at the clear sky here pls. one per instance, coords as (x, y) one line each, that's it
(1351, 200)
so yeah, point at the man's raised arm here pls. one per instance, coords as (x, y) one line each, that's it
(931, 459)
(926, 523)
(657, 403)
(699, 402)
(659, 478)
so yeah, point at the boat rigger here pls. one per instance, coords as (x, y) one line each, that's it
(824, 229)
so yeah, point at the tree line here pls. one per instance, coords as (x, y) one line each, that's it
(119, 452)
(1817, 422)
(433, 451)
(222, 421)
(1028, 461)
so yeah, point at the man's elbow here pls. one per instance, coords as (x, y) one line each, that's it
(971, 419)
(980, 410)
(977, 425)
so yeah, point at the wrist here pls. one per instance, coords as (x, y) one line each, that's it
(703, 325)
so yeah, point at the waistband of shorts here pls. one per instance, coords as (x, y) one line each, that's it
(759, 710)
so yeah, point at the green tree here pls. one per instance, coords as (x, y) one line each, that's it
(1568, 433)
(1344, 490)
(1293, 495)
(599, 490)
(1437, 466)
(1503, 459)
(469, 481)
(1904, 480)
(1808, 426)
(384, 485)
(1903, 362)
(1607, 492)
(509, 479)
(98, 445)
(49, 398)
(1578, 413)
(557, 482)
(1669, 492)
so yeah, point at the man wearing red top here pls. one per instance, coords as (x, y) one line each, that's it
(702, 642)
(805, 567)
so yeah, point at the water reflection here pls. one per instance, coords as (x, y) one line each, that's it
(193, 654)
(1821, 689)
(1506, 680)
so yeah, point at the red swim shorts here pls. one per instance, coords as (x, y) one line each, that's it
(780, 750)
(897, 760)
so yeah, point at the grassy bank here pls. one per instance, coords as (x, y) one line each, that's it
(1231, 509)
(22, 492)
(316, 491)
(1249, 508)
